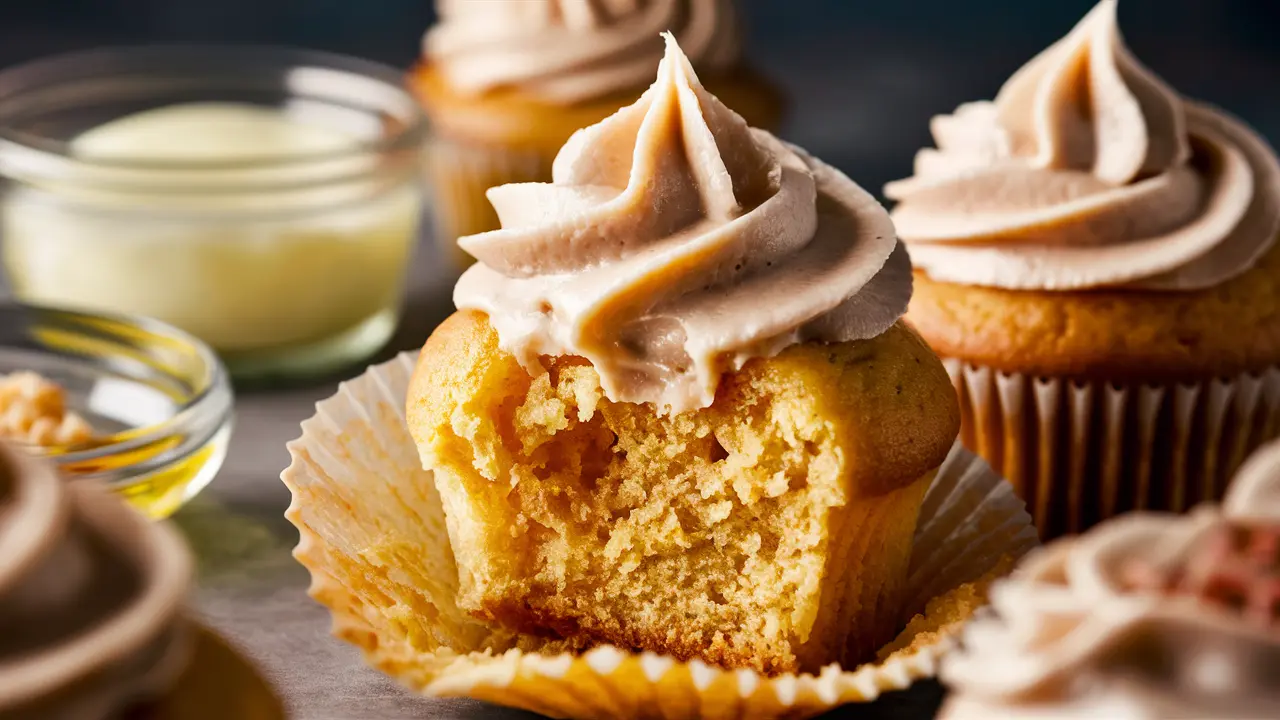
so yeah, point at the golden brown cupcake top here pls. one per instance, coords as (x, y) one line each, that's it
(1087, 171)
(674, 243)
(570, 51)
(1147, 616)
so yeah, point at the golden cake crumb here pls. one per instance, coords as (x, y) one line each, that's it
(33, 410)
(945, 614)
(771, 530)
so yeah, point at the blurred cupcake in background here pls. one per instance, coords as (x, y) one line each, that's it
(1096, 261)
(1146, 617)
(506, 82)
(91, 598)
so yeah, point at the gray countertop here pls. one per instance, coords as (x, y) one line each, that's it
(252, 591)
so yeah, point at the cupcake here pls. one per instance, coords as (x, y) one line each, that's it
(1148, 616)
(676, 410)
(91, 598)
(1096, 263)
(506, 82)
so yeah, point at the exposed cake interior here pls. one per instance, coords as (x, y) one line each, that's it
(770, 530)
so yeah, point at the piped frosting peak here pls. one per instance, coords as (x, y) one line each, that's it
(674, 243)
(1089, 171)
(1087, 104)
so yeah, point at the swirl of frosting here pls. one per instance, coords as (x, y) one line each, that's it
(1088, 171)
(1147, 616)
(675, 243)
(90, 597)
(566, 51)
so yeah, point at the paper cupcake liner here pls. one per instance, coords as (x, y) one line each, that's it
(372, 533)
(459, 174)
(1081, 453)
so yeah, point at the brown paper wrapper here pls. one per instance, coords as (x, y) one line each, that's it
(1081, 453)
(373, 536)
(459, 174)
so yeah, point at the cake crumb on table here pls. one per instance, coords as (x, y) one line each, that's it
(33, 410)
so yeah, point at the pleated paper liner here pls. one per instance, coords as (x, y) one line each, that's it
(373, 536)
(459, 174)
(1082, 453)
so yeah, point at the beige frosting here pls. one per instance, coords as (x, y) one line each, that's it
(565, 51)
(674, 243)
(1071, 639)
(1088, 171)
(90, 598)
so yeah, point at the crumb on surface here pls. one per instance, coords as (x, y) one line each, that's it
(33, 410)
(945, 614)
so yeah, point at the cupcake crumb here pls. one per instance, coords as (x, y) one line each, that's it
(33, 410)
(945, 615)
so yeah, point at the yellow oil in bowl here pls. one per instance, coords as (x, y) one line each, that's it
(159, 400)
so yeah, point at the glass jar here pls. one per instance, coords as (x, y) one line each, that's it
(289, 262)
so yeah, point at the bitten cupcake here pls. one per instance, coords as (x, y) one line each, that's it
(676, 410)
(1147, 617)
(1096, 262)
(506, 82)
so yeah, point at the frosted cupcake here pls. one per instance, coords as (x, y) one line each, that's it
(1146, 617)
(676, 410)
(506, 82)
(1097, 264)
(91, 598)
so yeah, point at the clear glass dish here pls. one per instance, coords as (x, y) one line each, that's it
(159, 399)
(291, 264)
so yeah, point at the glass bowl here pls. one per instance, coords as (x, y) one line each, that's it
(289, 257)
(159, 400)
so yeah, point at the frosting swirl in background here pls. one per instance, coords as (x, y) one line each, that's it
(90, 597)
(1075, 639)
(1087, 171)
(566, 51)
(675, 243)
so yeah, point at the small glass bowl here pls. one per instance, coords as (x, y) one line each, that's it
(291, 264)
(159, 400)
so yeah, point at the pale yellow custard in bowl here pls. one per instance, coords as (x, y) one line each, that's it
(265, 201)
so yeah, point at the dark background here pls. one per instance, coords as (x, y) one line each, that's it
(864, 75)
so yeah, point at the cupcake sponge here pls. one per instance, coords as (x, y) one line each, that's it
(771, 530)
(1114, 335)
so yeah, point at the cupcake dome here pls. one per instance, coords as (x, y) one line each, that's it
(1097, 262)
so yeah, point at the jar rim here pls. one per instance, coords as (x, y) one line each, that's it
(308, 75)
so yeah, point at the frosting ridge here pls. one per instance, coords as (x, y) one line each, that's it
(565, 51)
(675, 243)
(1088, 171)
(1147, 616)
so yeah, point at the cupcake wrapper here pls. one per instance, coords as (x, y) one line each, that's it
(1082, 453)
(459, 174)
(372, 533)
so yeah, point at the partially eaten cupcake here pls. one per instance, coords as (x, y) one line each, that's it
(676, 410)
(1146, 617)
